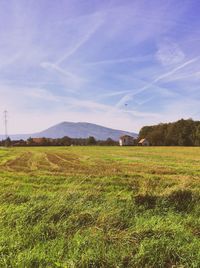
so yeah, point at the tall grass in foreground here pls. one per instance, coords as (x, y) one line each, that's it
(100, 207)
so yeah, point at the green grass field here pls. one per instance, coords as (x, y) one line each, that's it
(100, 207)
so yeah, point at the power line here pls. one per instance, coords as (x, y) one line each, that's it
(6, 123)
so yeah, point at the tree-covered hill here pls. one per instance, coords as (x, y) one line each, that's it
(182, 133)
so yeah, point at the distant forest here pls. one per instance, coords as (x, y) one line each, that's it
(65, 141)
(180, 133)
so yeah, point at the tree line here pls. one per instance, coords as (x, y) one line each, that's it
(180, 133)
(65, 141)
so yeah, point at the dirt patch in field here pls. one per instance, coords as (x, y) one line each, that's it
(20, 163)
(62, 163)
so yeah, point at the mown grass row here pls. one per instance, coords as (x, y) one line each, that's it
(109, 210)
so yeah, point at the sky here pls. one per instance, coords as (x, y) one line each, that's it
(118, 63)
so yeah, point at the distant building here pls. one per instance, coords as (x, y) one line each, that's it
(126, 140)
(38, 140)
(143, 142)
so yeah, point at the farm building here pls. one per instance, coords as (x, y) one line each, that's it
(126, 140)
(143, 142)
(38, 141)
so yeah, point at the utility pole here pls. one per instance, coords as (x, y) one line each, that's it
(6, 123)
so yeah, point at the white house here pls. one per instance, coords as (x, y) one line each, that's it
(143, 142)
(126, 140)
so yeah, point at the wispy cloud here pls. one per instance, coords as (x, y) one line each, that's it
(72, 80)
(85, 61)
(129, 96)
(122, 60)
(97, 20)
(169, 53)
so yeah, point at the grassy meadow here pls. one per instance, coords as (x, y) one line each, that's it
(100, 207)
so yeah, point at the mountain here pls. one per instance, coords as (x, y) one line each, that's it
(77, 130)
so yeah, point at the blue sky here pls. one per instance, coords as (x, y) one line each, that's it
(121, 64)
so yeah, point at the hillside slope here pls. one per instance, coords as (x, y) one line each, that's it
(82, 130)
(76, 130)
